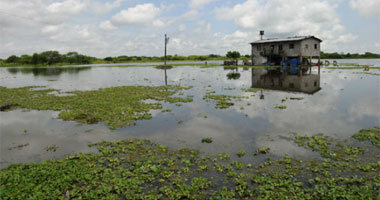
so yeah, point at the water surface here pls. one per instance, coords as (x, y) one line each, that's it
(335, 102)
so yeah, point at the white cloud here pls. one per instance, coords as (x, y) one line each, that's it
(368, 8)
(142, 14)
(106, 25)
(101, 8)
(181, 27)
(69, 7)
(199, 3)
(346, 38)
(288, 18)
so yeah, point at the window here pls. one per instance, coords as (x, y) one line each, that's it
(291, 46)
(280, 47)
(271, 48)
(291, 85)
(315, 46)
(315, 83)
(306, 46)
(258, 47)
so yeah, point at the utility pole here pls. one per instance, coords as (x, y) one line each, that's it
(166, 42)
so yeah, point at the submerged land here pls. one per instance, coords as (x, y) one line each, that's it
(338, 168)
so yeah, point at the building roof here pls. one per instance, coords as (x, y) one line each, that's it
(289, 39)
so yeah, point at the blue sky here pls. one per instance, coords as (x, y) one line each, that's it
(196, 27)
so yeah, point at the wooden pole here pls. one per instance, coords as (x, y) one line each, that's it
(166, 77)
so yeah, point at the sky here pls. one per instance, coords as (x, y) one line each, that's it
(103, 28)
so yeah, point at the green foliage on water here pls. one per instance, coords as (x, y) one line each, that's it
(281, 107)
(253, 90)
(222, 101)
(372, 135)
(115, 106)
(207, 140)
(140, 169)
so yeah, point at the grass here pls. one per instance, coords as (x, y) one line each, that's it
(116, 106)
(140, 169)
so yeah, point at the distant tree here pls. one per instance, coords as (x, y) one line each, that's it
(25, 59)
(109, 59)
(233, 55)
(12, 59)
(213, 56)
(36, 59)
(51, 57)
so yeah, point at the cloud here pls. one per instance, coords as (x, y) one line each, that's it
(368, 8)
(67, 7)
(142, 14)
(346, 38)
(195, 4)
(282, 17)
(106, 25)
(101, 8)
(288, 18)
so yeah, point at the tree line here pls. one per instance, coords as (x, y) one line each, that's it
(54, 57)
(337, 55)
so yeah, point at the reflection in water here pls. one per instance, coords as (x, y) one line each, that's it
(337, 110)
(47, 71)
(276, 80)
(234, 74)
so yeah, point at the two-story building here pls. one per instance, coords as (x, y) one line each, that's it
(273, 51)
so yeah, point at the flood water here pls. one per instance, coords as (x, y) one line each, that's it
(335, 102)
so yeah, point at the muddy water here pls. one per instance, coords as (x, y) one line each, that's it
(335, 102)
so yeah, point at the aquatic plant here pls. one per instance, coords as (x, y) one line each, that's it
(207, 140)
(140, 169)
(282, 107)
(240, 153)
(372, 135)
(115, 106)
(222, 101)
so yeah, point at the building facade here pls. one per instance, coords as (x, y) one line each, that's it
(274, 51)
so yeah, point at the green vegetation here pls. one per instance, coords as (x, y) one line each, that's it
(336, 55)
(253, 90)
(207, 140)
(136, 169)
(296, 98)
(282, 107)
(372, 135)
(116, 106)
(18, 146)
(233, 55)
(51, 148)
(263, 150)
(240, 153)
(222, 101)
